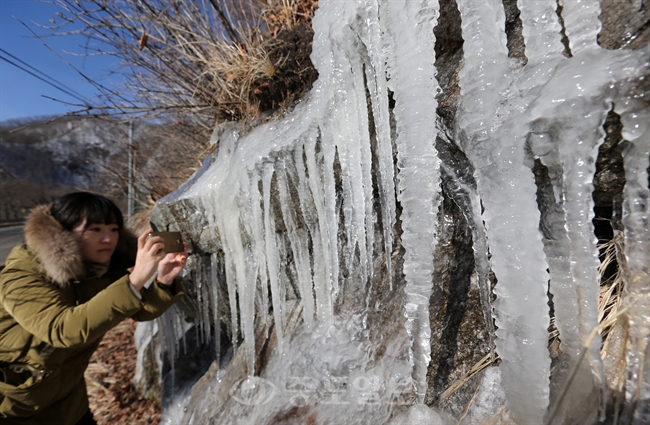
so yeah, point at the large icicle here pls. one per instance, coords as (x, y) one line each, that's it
(412, 80)
(571, 245)
(636, 219)
(507, 190)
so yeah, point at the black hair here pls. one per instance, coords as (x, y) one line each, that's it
(74, 208)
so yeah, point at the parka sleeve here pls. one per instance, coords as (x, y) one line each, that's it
(157, 300)
(42, 310)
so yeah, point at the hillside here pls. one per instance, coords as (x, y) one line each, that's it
(42, 159)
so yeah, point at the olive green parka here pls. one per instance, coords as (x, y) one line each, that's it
(53, 316)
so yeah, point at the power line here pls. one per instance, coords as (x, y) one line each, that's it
(42, 73)
(43, 79)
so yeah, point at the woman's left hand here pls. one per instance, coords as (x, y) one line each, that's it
(170, 266)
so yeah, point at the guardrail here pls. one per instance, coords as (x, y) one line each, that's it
(10, 223)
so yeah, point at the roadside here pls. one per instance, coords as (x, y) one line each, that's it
(10, 236)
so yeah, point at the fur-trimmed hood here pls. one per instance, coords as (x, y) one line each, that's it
(59, 252)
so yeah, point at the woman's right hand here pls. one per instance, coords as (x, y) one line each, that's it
(150, 251)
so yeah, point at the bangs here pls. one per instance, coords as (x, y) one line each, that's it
(102, 217)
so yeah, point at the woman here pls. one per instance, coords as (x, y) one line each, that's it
(61, 292)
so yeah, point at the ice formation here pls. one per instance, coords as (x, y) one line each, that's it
(319, 164)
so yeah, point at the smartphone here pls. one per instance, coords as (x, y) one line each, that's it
(173, 241)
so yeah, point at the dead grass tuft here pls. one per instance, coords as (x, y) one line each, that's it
(208, 59)
(611, 288)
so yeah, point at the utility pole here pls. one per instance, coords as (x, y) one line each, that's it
(129, 212)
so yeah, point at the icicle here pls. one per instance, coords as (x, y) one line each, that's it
(507, 189)
(581, 23)
(204, 299)
(323, 293)
(329, 199)
(310, 204)
(259, 248)
(635, 118)
(541, 29)
(469, 203)
(377, 86)
(214, 285)
(298, 238)
(579, 151)
(354, 169)
(272, 254)
(571, 248)
(232, 298)
(232, 228)
(412, 80)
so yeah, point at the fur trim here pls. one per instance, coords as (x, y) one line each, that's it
(59, 252)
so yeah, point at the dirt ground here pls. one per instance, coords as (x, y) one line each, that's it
(109, 377)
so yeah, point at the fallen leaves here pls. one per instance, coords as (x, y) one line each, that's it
(113, 399)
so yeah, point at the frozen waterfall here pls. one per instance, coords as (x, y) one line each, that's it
(311, 210)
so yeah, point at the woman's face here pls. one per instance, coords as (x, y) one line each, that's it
(98, 240)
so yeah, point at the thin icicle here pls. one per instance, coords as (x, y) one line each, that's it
(324, 293)
(298, 238)
(469, 203)
(328, 150)
(377, 86)
(204, 294)
(272, 255)
(309, 193)
(232, 297)
(216, 314)
(355, 203)
(259, 248)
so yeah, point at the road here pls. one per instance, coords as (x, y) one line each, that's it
(9, 237)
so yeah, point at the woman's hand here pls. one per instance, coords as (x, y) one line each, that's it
(170, 266)
(151, 250)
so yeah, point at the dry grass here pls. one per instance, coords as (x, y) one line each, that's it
(611, 288)
(200, 58)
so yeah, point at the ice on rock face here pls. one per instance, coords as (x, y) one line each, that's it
(412, 80)
(292, 204)
(495, 146)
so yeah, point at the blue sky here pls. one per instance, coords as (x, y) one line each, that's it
(22, 95)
